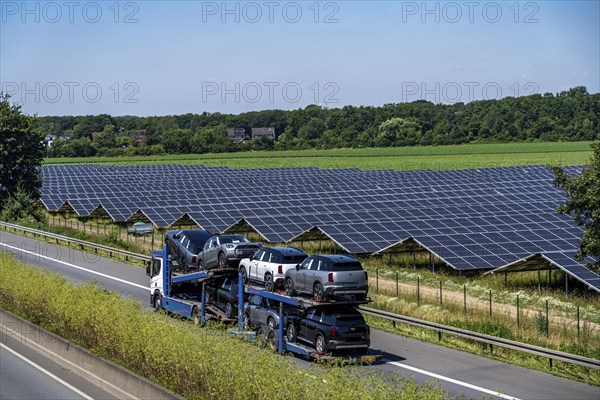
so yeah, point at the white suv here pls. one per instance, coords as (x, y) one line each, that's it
(269, 265)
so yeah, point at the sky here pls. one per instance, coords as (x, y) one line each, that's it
(175, 57)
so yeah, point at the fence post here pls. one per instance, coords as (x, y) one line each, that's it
(377, 280)
(518, 317)
(441, 293)
(397, 292)
(547, 321)
(465, 297)
(578, 322)
(419, 296)
(490, 303)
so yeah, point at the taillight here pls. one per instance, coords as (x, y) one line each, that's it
(280, 269)
(330, 277)
(333, 331)
(193, 259)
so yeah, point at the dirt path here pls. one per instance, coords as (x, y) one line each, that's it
(457, 298)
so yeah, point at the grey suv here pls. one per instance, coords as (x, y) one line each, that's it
(328, 276)
(184, 246)
(225, 251)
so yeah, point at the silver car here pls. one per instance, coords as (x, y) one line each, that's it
(225, 251)
(328, 276)
(262, 312)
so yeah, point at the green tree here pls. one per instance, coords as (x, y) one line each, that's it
(19, 208)
(583, 204)
(21, 150)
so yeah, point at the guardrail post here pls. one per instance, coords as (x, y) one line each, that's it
(550, 363)
(439, 336)
(491, 347)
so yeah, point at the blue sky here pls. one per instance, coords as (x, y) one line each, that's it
(158, 58)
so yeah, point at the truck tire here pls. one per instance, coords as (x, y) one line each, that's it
(272, 343)
(261, 337)
(195, 315)
(157, 301)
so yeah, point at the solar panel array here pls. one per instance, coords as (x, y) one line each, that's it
(471, 219)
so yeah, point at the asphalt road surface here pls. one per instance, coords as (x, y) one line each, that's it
(459, 373)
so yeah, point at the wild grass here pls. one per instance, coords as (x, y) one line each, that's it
(399, 158)
(199, 363)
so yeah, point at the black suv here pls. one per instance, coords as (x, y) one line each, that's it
(329, 329)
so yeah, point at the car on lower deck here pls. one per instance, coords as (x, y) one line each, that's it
(262, 312)
(330, 329)
(223, 293)
(269, 265)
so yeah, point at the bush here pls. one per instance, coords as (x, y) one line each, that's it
(205, 363)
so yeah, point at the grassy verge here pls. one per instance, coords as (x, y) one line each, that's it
(399, 158)
(205, 363)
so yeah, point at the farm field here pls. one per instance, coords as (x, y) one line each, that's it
(399, 158)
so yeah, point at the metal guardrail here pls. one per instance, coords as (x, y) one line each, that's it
(483, 338)
(441, 329)
(81, 243)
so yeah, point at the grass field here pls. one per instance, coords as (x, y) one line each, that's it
(399, 158)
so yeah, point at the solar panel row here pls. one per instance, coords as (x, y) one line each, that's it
(472, 219)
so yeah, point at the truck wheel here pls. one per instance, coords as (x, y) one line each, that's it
(291, 333)
(271, 323)
(320, 344)
(157, 301)
(272, 342)
(261, 338)
(269, 285)
(318, 292)
(228, 310)
(222, 261)
(244, 274)
(195, 315)
(289, 287)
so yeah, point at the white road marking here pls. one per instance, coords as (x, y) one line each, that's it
(76, 267)
(451, 380)
(50, 374)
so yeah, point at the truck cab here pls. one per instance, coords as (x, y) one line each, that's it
(155, 271)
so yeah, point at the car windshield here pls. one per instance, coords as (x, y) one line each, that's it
(232, 239)
(347, 266)
(349, 320)
(294, 259)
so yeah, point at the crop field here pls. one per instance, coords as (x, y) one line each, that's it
(399, 158)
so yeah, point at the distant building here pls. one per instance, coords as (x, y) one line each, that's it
(49, 139)
(236, 133)
(257, 133)
(139, 135)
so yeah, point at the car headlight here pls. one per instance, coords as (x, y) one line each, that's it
(230, 246)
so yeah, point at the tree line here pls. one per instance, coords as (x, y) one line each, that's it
(571, 115)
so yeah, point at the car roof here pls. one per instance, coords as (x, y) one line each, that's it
(290, 251)
(339, 258)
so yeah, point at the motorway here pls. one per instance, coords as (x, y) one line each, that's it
(459, 373)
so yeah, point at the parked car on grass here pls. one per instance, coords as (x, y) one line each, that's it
(269, 265)
(330, 329)
(223, 294)
(326, 276)
(184, 246)
(225, 251)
